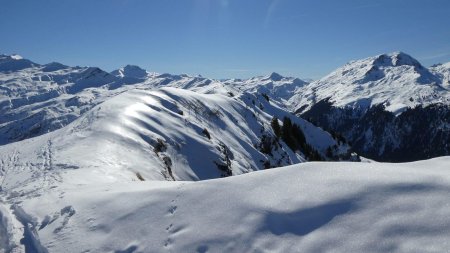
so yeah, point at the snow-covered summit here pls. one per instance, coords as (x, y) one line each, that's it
(16, 57)
(274, 77)
(396, 59)
(14, 63)
(396, 80)
(131, 71)
(53, 66)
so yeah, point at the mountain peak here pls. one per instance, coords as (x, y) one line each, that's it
(396, 59)
(400, 58)
(13, 57)
(130, 71)
(130, 67)
(275, 76)
(16, 57)
(53, 66)
(15, 62)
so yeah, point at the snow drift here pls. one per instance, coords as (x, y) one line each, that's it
(310, 207)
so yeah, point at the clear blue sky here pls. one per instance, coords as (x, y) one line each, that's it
(224, 38)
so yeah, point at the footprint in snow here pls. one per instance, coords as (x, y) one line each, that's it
(66, 212)
(173, 209)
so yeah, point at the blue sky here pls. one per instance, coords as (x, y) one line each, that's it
(224, 38)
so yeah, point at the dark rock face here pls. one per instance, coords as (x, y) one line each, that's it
(418, 133)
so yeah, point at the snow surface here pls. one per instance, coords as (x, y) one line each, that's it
(310, 207)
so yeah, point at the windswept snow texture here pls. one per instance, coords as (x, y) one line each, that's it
(310, 207)
(169, 134)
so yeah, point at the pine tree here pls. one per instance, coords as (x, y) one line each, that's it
(276, 127)
(286, 133)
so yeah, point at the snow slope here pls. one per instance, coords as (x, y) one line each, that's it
(170, 134)
(395, 80)
(310, 207)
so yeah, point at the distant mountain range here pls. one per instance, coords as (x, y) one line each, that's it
(388, 107)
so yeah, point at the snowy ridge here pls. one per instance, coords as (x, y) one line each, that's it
(170, 134)
(395, 80)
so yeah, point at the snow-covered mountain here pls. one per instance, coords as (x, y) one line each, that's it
(9, 63)
(88, 159)
(389, 107)
(395, 80)
(131, 74)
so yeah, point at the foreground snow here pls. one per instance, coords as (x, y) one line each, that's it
(310, 207)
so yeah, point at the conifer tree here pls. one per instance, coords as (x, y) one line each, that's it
(276, 127)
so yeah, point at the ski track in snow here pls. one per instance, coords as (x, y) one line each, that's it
(6, 165)
(49, 173)
(42, 177)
